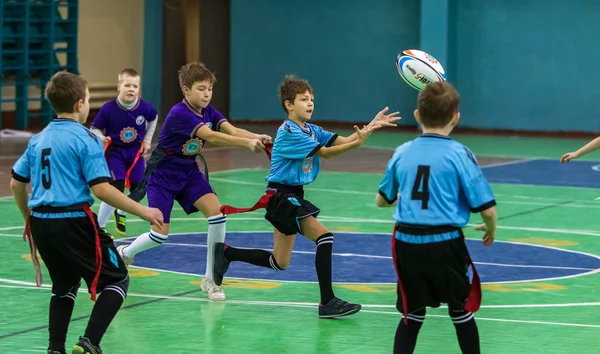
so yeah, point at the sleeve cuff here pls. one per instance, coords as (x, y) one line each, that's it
(219, 123)
(19, 178)
(387, 200)
(98, 181)
(314, 151)
(484, 206)
(332, 140)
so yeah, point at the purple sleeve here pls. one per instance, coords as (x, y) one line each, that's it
(152, 113)
(99, 121)
(217, 119)
(185, 123)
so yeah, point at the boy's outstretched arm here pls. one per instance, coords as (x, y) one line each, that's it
(232, 130)
(586, 149)
(217, 138)
(382, 119)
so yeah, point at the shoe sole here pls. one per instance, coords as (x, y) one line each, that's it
(347, 313)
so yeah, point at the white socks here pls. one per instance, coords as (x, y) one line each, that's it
(105, 212)
(143, 242)
(216, 233)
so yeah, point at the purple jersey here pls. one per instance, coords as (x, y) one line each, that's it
(126, 127)
(178, 133)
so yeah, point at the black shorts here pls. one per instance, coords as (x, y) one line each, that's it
(287, 207)
(432, 273)
(68, 247)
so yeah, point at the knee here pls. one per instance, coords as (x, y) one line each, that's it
(121, 287)
(459, 315)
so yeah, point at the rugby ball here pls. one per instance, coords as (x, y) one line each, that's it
(418, 68)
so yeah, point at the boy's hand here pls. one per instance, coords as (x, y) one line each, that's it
(145, 147)
(266, 139)
(489, 237)
(256, 145)
(153, 215)
(363, 134)
(385, 120)
(569, 156)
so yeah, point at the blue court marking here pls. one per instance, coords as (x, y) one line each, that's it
(546, 173)
(366, 258)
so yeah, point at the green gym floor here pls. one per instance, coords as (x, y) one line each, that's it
(541, 281)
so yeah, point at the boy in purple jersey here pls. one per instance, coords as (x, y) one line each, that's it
(172, 171)
(127, 124)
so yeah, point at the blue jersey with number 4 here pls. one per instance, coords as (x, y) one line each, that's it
(294, 161)
(438, 180)
(62, 162)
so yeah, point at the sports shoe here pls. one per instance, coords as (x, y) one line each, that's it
(127, 260)
(54, 352)
(85, 347)
(215, 293)
(221, 263)
(120, 221)
(337, 308)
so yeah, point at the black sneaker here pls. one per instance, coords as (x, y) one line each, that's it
(337, 308)
(85, 347)
(221, 263)
(120, 221)
(54, 352)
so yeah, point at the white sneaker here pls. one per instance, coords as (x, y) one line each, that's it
(126, 260)
(215, 292)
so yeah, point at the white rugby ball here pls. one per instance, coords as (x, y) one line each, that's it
(418, 68)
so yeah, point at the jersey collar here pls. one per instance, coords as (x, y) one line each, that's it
(63, 120)
(438, 136)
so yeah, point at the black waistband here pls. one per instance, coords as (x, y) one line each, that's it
(422, 230)
(46, 209)
(284, 188)
(174, 154)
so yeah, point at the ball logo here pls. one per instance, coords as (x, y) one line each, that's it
(140, 120)
(431, 58)
(128, 134)
(422, 78)
(192, 147)
(209, 124)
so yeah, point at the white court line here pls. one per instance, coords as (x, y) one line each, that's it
(312, 305)
(388, 257)
(498, 320)
(10, 235)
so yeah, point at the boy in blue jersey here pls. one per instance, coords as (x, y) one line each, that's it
(63, 163)
(436, 184)
(127, 123)
(295, 163)
(172, 171)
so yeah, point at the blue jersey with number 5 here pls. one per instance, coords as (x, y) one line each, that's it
(438, 180)
(62, 162)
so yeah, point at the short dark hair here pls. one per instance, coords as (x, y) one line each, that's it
(437, 104)
(291, 87)
(64, 90)
(128, 71)
(194, 72)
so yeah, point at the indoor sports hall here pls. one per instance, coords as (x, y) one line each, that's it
(522, 108)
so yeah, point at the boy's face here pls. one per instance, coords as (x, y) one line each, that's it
(200, 94)
(129, 88)
(83, 107)
(303, 106)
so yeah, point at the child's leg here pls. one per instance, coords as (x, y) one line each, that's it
(162, 199)
(278, 260)
(209, 205)
(330, 306)
(466, 330)
(407, 333)
(136, 176)
(106, 210)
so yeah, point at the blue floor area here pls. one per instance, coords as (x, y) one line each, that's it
(365, 258)
(546, 173)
